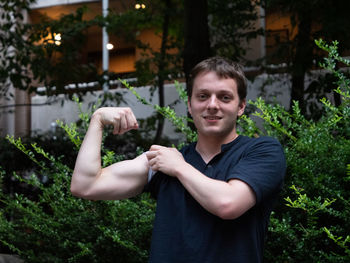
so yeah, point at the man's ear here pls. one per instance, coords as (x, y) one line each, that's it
(189, 106)
(241, 108)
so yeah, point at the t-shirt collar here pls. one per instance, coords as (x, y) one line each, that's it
(224, 147)
(227, 146)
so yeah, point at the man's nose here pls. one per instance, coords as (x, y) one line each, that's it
(213, 102)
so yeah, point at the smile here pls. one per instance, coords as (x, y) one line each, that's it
(212, 117)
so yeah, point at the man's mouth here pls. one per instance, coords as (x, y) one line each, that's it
(212, 117)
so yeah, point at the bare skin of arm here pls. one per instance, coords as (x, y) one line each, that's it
(117, 181)
(227, 200)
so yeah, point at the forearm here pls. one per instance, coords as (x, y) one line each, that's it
(227, 200)
(209, 193)
(88, 163)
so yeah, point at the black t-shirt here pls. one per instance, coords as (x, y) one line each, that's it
(185, 232)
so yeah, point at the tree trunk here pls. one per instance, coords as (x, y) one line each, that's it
(302, 60)
(197, 44)
(161, 70)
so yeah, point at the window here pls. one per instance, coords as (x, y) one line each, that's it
(277, 46)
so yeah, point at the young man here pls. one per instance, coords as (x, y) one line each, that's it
(214, 198)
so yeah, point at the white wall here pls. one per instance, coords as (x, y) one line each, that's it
(44, 116)
(277, 88)
(273, 87)
(7, 117)
(45, 111)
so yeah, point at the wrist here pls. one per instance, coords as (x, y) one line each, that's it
(182, 170)
(96, 119)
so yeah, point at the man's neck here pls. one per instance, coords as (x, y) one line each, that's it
(209, 147)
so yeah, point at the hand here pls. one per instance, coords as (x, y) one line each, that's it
(165, 159)
(122, 119)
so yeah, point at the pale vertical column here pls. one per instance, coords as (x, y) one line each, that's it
(22, 113)
(6, 117)
(23, 104)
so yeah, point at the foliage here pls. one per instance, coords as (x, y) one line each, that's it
(311, 222)
(47, 224)
(11, 29)
(32, 54)
(231, 24)
(157, 63)
(178, 121)
(309, 20)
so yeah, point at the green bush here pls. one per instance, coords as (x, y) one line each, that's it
(309, 224)
(46, 223)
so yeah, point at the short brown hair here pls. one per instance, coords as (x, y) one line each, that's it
(224, 68)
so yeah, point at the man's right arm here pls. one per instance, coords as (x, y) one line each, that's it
(117, 181)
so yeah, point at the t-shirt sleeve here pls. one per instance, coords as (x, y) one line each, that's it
(153, 184)
(262, 166)
(156, 179)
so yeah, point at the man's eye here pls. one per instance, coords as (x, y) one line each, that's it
(202, 96)
(225, 98)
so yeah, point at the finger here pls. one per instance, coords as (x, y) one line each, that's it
(116, 126)
(123, 124)
(150, 155)
(153, 164)
(156, 147)
(131, 120)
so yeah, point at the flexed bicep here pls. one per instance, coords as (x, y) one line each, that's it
(120, 180)
(89, 180)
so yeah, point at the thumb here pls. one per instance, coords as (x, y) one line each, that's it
(156, 147)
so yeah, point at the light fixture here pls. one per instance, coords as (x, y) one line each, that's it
(57, 38)
(140, 6)
(109, 46)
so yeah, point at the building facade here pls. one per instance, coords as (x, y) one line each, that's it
(26, 113)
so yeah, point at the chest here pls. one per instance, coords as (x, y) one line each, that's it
(219, 167)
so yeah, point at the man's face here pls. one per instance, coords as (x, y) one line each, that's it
(215, 106)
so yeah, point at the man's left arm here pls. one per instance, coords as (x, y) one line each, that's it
(227, 200)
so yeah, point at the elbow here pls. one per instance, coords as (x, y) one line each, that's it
(227, 210)
(75, 191)
(82, 185)
(81, 194)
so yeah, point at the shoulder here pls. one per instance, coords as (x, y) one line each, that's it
(267, 149)
(268, 139)
(261, 148)
(261, 142)
(267, 142)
